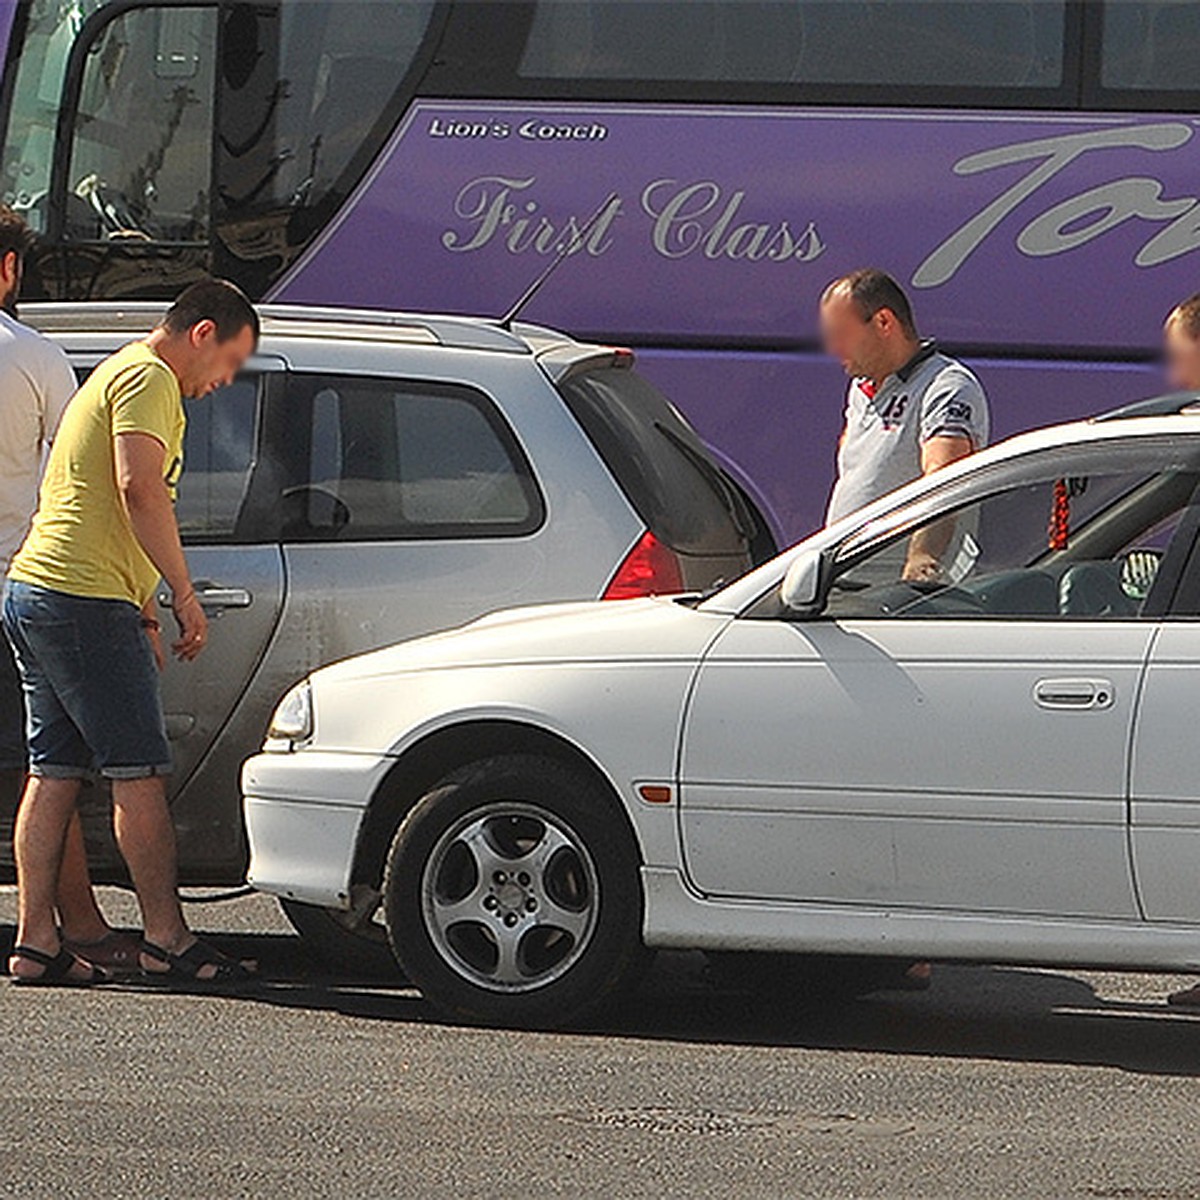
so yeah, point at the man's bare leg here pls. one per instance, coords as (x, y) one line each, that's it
(12, 785)
(82, 920)
(40, 837)
(79, 914)
(146, 838)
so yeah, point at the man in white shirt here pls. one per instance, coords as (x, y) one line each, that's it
(36, 382)
(1181, 345)
(910, 409)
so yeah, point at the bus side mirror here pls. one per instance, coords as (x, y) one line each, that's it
(805, 586)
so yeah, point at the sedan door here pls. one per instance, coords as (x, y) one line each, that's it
(1165, 774)
(959, 743)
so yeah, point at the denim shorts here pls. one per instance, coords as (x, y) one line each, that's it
(91, 685)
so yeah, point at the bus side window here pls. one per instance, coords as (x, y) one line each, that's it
(1150, 46)
(974, 43)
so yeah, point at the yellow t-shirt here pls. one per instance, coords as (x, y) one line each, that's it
(81, 541)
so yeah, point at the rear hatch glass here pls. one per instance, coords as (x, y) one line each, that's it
(670, 478)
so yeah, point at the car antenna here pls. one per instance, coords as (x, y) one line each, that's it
(566, 247)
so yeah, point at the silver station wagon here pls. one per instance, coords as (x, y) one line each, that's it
(376, 476)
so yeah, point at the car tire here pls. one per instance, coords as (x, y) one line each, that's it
(358, 952)
(512, 894)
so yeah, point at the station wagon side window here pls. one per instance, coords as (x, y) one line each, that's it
(1074, 543)
(379, 459)
(214, 498)
(218, 458)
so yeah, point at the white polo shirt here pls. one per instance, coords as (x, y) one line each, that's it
(36, 381)
(931, 396)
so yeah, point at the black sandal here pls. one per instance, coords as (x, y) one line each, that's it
(57, 969)
(186, 967)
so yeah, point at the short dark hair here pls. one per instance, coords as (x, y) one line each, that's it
(216, 300)
(871, 290)
(15, 235)
(1187, 314)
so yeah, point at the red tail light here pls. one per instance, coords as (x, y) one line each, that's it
(649, 569)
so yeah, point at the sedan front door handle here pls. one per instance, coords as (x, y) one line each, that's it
(1073, 694)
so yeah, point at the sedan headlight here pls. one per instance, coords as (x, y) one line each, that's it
(293, 719)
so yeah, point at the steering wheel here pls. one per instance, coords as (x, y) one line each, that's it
(942, 599)
(303, 503)
(114, 210)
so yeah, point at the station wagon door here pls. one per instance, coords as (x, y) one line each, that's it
(213, 719)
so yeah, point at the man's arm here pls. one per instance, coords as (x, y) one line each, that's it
(926, 546)
(941, 451)
(139, 464)
(954, 423)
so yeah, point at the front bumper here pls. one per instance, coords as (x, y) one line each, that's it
(303, 814)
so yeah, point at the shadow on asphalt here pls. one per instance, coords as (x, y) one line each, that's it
(970, 1012)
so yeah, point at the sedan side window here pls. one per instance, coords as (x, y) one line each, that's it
(391, 459)
(1080, 546)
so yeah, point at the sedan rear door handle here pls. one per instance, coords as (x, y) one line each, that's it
(1074, 694)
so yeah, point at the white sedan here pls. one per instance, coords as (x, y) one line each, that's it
(994, 758)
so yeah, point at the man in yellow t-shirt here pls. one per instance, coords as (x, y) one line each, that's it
(81, 541)
(79, 613)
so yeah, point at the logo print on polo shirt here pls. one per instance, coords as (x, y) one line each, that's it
(892, 413)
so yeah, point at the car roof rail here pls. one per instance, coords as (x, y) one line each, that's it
(1156, 406)
(464, 333)
(287, 320)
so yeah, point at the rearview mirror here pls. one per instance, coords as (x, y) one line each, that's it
(803, 588)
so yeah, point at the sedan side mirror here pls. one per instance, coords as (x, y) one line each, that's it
(804, 586)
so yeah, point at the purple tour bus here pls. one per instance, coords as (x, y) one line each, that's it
(1029, 169)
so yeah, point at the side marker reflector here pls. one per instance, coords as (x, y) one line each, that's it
(655, 794)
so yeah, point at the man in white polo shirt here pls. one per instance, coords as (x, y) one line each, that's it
(36, 382)
(910, 409)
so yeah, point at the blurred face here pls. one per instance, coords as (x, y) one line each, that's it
(1182, 355)
(212, 363)
(872, 346)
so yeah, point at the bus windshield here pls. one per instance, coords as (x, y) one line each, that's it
(229, 128)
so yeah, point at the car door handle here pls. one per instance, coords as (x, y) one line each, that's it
(1073, 694)
(223, 597)
(212, 595)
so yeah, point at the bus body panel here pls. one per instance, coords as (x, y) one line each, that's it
(1012, 230)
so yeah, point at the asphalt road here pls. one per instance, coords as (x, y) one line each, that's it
(994, 1083)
